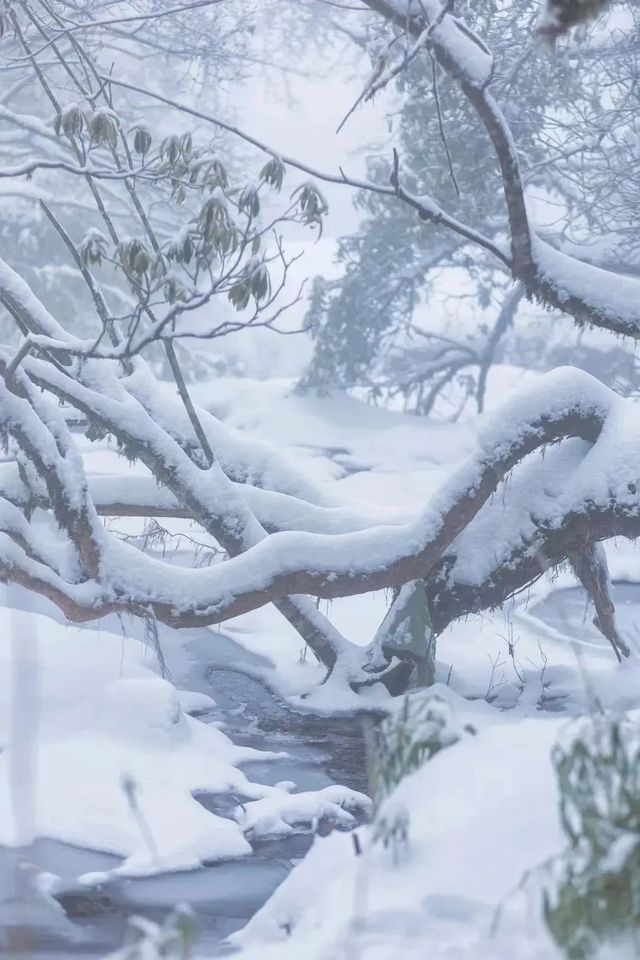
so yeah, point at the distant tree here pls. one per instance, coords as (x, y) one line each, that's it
(572, 116)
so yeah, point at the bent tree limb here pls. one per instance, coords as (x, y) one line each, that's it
(324, 565)
(451, 598)
(341, 565)
(567, 404)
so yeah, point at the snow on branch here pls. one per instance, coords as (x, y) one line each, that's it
(588, 292)
(131, 495)
(583, 495)
(557, 506)
(449, 34)
(571, 405)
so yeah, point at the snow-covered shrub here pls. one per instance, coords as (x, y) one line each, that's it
(173, 939)
(391, 829)
(423, 726)
(592, 890)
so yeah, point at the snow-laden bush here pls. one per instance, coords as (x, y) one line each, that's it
(424, 725)
(592, 890)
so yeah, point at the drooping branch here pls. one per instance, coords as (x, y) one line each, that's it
(589, 563)
(573, 405)
(426, 207)
(548, 276)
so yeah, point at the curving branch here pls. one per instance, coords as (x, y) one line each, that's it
(426, 207)
(547, 275)
(323, 565)
(277, 568)
(543, 551)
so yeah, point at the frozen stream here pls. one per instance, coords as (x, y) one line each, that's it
(223, 895)
(568, 613)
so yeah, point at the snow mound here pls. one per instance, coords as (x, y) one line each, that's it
(479, 813)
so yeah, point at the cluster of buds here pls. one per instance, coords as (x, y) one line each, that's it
(223, 230)
(101, 125)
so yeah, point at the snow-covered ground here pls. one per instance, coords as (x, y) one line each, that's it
(480, 814)
(115, 756)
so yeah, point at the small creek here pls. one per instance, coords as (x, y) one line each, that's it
(223, 895)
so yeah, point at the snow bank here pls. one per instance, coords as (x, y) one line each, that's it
(480, 813)
(104, 718)
(117, 760)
